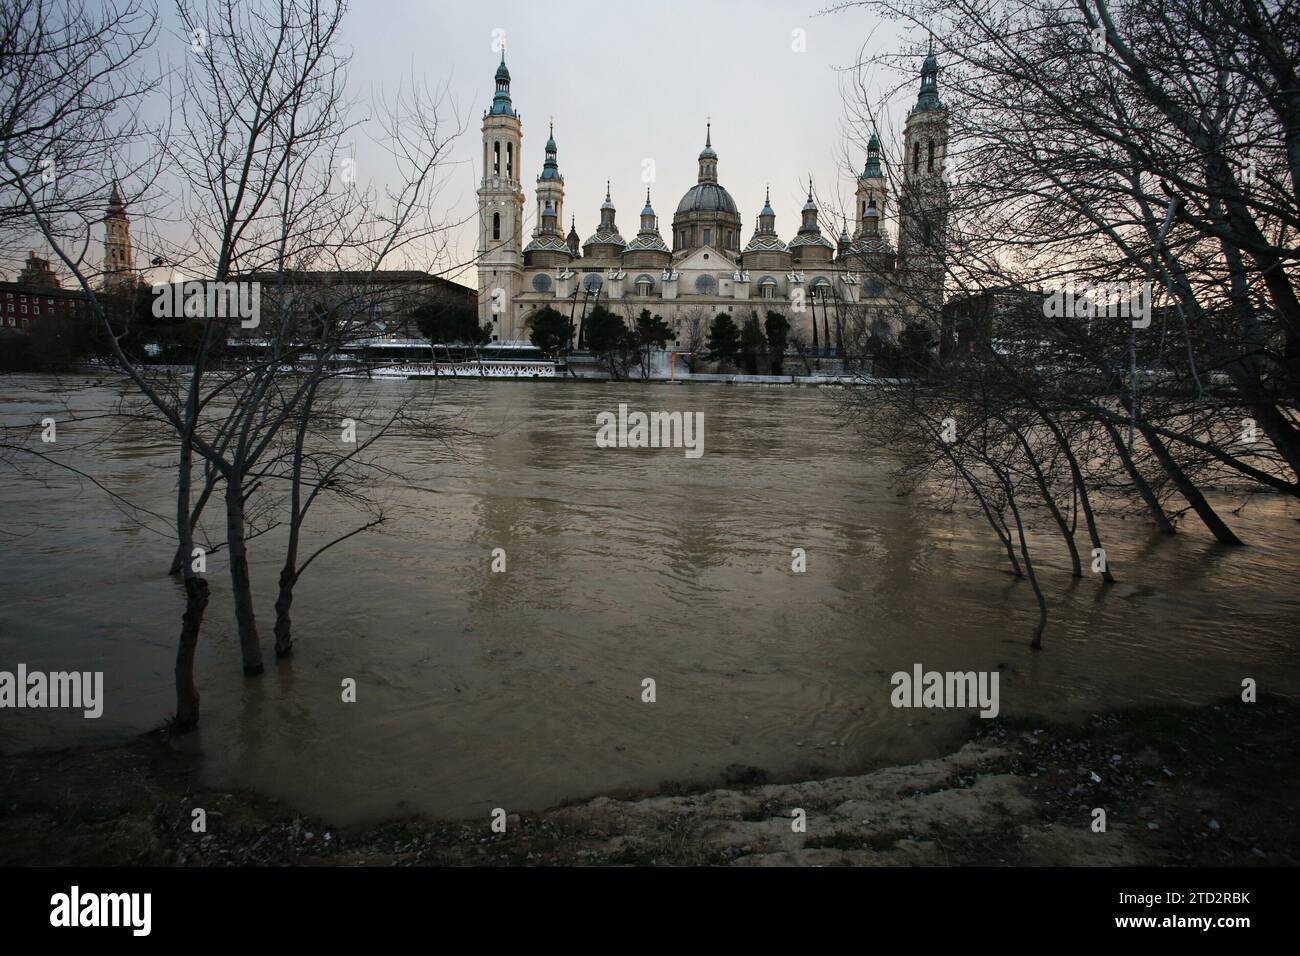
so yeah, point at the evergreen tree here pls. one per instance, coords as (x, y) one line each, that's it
(652, 330)
(777, 328)
(724, 339)
(550, 330)
(753, 346)
(606, 332)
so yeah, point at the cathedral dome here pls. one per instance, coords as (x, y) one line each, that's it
(707, 197)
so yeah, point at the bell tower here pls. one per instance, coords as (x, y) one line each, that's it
(923, 205)
(119, 263)
(501, 214)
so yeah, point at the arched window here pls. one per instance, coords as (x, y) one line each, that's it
(644, 285)
(930, 157)
(496, 225)
(510, 160)
(916, 157)
(496, 159)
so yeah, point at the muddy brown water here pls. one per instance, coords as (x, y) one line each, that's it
(523, 689)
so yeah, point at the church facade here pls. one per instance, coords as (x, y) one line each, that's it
(702, 263)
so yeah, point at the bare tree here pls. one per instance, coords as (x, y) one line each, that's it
(256, 165)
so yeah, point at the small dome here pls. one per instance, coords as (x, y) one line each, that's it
(547, 243)
(707, 197)
(606, 237)
(763, 243)
(608, 203)
(811, 239)
(503, 75)
(648, 242)
(871, 245)
(648, 210)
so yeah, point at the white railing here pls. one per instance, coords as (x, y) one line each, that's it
(462, 370)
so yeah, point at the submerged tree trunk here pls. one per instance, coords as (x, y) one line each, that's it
(1144, 489)
(1222, 533)
(1085, 500)
(283, 604)
(1041, 480)
(1037, 642)
(241, 588)
(995, 521)
(187, 692)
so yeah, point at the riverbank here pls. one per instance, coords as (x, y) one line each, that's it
(1213, 785)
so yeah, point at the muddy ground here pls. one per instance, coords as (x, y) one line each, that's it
(1214, 785)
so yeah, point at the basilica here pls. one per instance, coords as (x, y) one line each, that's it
(705, 265)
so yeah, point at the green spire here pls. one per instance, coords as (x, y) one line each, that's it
(501, 101)
(928, 100)
(872, 169)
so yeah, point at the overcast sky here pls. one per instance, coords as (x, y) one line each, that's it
(630, 82)
(626, 83)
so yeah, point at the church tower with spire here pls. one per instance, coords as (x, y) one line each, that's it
(550, 184)
(548, 248)
(119, 262)
(923, 204)
(870, 192)
(501, 214)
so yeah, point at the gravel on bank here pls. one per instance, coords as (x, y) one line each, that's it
(1214, 785)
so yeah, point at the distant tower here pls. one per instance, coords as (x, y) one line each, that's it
(119, 263)
(923, 206)
(501, 213)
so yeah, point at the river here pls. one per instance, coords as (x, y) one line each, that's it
(522, 689)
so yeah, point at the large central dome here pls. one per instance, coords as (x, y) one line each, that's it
(707, 197)
(707, 215)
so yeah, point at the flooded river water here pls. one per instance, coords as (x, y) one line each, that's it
(524, 688)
